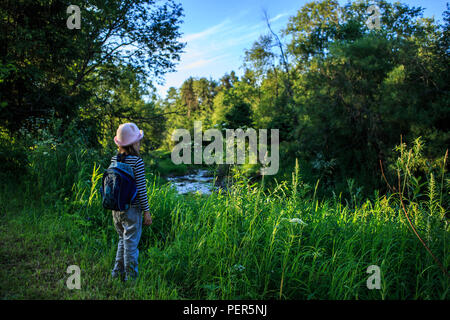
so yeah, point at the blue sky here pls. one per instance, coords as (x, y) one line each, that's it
(217, 33)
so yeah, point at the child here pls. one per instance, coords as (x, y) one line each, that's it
(129, 223)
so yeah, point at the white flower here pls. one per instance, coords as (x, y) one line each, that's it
(298, 221)
(239, 267)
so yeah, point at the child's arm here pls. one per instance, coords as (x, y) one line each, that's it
(139, 173)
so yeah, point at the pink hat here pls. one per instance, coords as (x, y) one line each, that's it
(127, 134)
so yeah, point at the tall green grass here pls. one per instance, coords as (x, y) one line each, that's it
(246, 243)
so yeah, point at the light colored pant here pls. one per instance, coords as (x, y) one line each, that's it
(129, 227)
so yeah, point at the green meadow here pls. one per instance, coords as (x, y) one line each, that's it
(248, 242)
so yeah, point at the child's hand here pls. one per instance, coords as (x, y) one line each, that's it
(147, 218)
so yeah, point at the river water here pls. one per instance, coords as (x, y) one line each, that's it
(200, 180)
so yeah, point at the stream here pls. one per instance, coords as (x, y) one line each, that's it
(199, 181)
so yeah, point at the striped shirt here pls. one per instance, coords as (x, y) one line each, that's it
(139, 174)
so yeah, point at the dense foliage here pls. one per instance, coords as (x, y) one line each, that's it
(94, 76)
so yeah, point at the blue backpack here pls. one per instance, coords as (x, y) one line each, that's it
(118, 188)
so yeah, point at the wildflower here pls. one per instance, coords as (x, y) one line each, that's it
(298, 221)
(239, 267)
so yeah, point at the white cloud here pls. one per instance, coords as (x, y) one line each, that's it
(218, 49)
(202, 62)
(278, 16)
(209, 31)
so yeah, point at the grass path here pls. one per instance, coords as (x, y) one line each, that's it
(33, 264)
(29, 265)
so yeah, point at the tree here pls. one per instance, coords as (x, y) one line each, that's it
(53, 71)
(188, 96)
